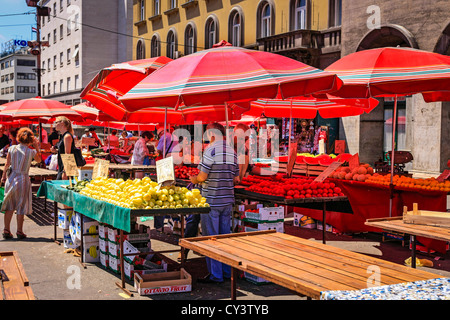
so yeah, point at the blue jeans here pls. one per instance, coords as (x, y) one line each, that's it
(217, 221)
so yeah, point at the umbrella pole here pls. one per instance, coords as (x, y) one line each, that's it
(391, 185)
(165, 126)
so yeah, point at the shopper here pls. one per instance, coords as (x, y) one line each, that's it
(65, 145)
(97, 139)
(4, 140)
(18, 185)
(53, 136)
(140, 152)
(112, 140)
(241, 140)
(169, 143)
(219, 172)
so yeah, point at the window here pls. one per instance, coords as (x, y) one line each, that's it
(300, 15)
(77, 17)
(54, 87)
(265, 21)
(43, 66)
(211, 33)
(54, 62)
(61, 82)
(77, 80)
(68, 83)
(68, 56)
(173, 4)
(61, 32)
(69, 26)
(235, 30)
(335, 13)
(26, 76)
(156, 7)
(11, 89)
(61, 59)
(26, 89)
(48, 37)
(54, 9)
(48, 89)
(43, 89)
(171, 45)
(142, 10)
(76, 56)
(26, 63)
(140, 49)
(54, 36)
(61, 5)
(189, 40)
(155, 47)
(48, 65)
(43, 21)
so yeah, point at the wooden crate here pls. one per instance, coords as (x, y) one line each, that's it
(14, 283)
(429, 218)
(164, 282)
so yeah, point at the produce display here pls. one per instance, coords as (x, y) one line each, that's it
(183, 172)
(407, 182)
(142, 194)
(360, 173)
(291, 188)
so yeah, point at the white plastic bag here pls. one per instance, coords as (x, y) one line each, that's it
(53, 163)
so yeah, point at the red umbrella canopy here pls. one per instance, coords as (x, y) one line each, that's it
(391, 71)
(308, 107)
(89, 112)
(38, 107)
(227, 74)
(115, 80)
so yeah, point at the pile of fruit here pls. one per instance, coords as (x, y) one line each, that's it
(142, 194)
(361, 173)
(407, 182)
(78, 186)
(183, 172)
(291, 188)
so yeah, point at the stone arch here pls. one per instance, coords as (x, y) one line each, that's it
(443, 44)
(390, 35)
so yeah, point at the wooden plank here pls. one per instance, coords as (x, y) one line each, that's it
(16, 287)
(355, 256)
(330, 263)
(353, 263)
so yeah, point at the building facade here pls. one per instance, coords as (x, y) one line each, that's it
(423, 128)
(84, 37)
(18, 78)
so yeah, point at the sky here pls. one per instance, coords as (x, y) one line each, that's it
(16, 26)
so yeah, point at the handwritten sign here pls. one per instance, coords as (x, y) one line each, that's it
(326, 173)
(101, 168)
(85, 141)
(165, 172)
(444, 176)
(353, 162)
(70, 165)
(292, 158)
(339, 146)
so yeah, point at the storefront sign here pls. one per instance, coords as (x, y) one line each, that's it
(165, 172)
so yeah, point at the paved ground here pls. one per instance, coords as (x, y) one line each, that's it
(51, 271)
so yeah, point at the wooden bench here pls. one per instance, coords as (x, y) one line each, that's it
(304, 266)
(14, 284)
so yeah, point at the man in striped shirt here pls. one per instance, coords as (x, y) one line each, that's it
(219, 172)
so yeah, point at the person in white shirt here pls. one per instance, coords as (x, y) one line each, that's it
(140, 152)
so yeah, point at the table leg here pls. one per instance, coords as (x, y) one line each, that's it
(413, 251)
(122, 271)
(55, 222)
(324, 216)
(183, 252)
(234, 276)
(81, 244)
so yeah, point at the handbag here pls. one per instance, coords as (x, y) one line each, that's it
(79, 159)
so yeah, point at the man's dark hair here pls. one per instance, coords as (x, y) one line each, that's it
(216, 126)
(147, 134)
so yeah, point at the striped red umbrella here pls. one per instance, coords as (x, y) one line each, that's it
(227, 74)
(114, 81)
(308, 107)
(35, 108)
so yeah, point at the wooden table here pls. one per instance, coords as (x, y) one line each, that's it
(14, 284)
(304, 266)
(397, 224)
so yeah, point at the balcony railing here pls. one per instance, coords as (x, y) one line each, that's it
(328, 40)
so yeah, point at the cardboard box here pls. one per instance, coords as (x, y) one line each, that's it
(278, 226)
(303, 221)
(68, 243)
(268, 214)
(91, 252)
(64, 216)
(163, 282)
(85, 174)
(104, 258)
(255, 279)
(103, 244)
(113, 263)
(102, 230)
(243, 207)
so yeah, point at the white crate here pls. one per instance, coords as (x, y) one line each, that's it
(278, 226)
(64, 216)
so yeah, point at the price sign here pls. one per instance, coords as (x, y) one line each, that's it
(292, 158)
(326, 173)
(339, 146)
(353, 162)
(165, 172)
(444, 176)
(70, 165)
(88, 141)
(101, 168)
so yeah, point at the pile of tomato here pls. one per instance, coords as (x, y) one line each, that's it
(183, 172)
(292, 188)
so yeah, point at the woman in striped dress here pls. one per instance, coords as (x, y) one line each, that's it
(18, 185)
